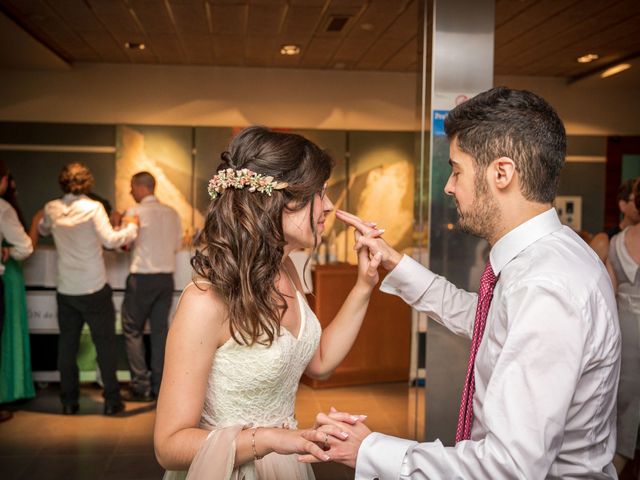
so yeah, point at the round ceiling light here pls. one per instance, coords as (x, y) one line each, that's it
(290, 49)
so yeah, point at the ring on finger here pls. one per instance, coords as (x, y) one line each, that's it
(326, 440)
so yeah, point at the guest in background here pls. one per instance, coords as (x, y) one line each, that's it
(80, 228)
(18, 246)
(149, 290)
(630, 216)
(16, 381)
(623, 264)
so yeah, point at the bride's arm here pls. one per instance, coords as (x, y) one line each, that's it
(197, 330)
(339, 336)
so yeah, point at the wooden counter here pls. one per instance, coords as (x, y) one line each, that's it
(381, 352)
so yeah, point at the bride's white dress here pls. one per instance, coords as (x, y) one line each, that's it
(254, 386)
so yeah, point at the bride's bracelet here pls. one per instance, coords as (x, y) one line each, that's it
(253, 443)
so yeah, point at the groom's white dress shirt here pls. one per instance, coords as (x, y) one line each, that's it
(546, 371)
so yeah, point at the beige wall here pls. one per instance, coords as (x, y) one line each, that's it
(212, 96)
(303, 99)
(587, 107)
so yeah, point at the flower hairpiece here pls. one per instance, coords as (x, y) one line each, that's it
(240, 179)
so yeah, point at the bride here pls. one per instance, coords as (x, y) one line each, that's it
(243, 334)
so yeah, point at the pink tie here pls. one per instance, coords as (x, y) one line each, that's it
(465, 418)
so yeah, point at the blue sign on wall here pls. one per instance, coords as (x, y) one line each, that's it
(438, 121)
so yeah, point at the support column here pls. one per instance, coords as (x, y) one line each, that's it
(462, 66)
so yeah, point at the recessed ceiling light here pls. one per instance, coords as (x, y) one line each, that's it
(135, 45)
(290, 50)
(367, 27)
(589, 57)
(621, 67)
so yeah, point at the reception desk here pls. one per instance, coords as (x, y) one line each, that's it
(381, 352)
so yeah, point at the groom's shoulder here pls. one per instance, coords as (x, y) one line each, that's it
(561, 258)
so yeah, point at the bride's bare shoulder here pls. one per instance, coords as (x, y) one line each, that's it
(200, 305)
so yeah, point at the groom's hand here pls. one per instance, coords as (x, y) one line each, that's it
(370, 238)
(341, 451)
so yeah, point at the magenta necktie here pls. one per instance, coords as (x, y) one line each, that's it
(465, 418)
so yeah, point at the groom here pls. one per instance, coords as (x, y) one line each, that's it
(539, 398)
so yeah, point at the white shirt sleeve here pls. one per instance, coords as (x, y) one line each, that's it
(13, 232)
(525, 405)
(427, 292)
(381, 456)
(109, 237)
(44, 226)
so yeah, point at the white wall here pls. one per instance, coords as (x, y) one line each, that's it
(217, 96)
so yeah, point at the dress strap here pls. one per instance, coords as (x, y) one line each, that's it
(195, 282)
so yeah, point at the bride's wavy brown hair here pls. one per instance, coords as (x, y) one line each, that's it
(241, 247)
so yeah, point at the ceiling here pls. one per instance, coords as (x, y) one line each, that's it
(533, 37)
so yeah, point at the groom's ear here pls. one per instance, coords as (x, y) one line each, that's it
(502, 173)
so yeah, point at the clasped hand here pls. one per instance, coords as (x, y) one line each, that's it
(372, 249)
(339, 435)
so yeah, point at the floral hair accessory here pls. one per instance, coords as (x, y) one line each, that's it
(240, 179)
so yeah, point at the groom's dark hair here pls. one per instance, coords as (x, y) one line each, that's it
(518, 124)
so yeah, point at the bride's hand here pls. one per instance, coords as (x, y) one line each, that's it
(303, 442)
(368, 261)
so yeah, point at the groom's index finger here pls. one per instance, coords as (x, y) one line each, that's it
(353, 221)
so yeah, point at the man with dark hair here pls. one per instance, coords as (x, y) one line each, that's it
(149, 290)
(19, 246)
(80, 228)
(630, 216)
(539, 397)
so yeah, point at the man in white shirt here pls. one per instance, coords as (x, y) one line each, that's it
(149, 290)
(80, 229)
(20, 246)
(542, 388)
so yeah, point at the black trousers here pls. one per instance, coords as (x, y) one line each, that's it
(96, 309)
(147, 296)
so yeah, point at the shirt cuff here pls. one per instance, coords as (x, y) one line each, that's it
(381, 456)
(408, 280)
(42, 230)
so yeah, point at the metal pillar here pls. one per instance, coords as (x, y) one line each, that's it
(462, 66)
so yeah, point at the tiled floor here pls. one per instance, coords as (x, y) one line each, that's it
(39, 443)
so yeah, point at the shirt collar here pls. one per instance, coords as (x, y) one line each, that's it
(149, 199)
(70, 197)
(514, 242)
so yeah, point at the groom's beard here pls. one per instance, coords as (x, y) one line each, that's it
(482, 216)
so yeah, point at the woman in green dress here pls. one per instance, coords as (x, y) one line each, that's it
(16, 381)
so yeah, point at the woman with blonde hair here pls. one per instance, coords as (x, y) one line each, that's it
(243, 334)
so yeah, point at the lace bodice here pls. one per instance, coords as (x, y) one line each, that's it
(258, 384)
